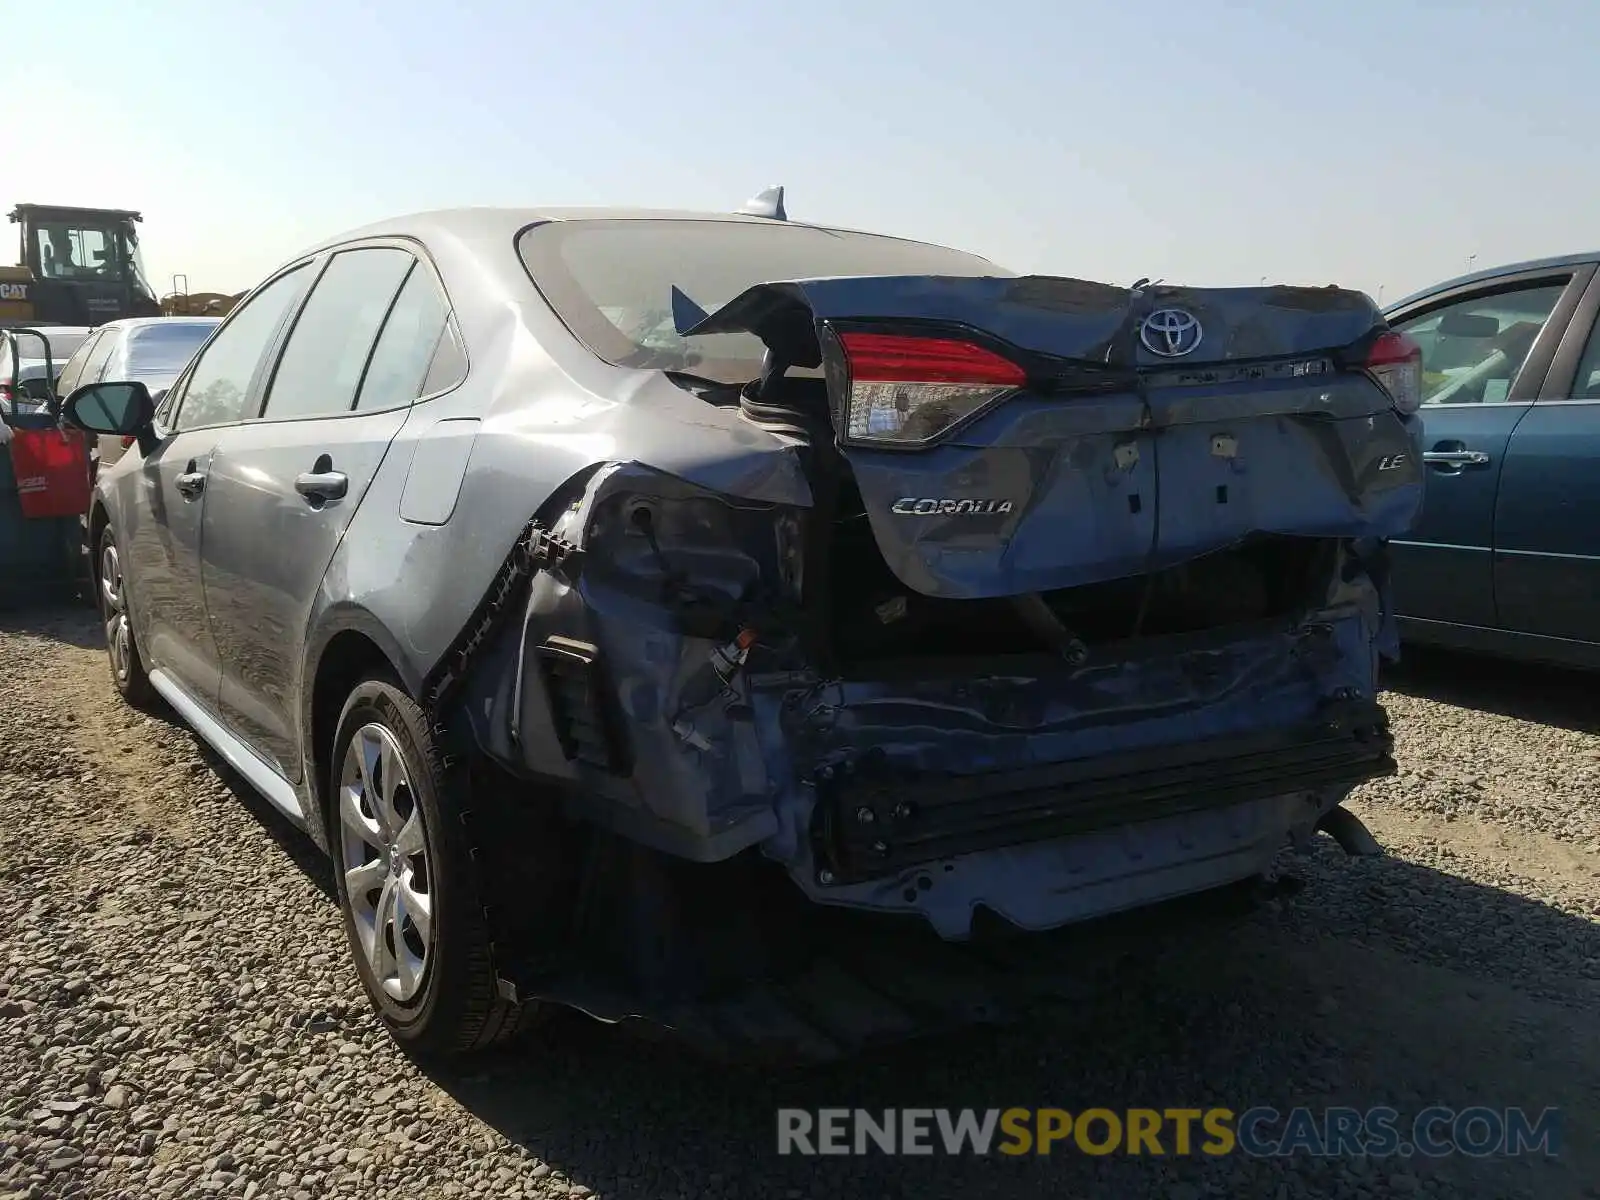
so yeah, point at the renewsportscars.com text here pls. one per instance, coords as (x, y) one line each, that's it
(1478, 1132)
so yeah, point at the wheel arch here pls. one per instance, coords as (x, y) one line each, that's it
(351, 645)
(99, 518)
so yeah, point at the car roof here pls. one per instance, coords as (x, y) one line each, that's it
(494, 223)
(1554, 262)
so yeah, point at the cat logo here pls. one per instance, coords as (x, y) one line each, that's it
(13, 291)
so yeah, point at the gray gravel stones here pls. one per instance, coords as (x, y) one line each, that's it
(179, 1019)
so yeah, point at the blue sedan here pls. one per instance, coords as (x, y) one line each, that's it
(1505, 559)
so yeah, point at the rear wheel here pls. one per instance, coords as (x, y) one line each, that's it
(127, 666)
(413, 910)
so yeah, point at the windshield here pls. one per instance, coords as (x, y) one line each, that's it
(611, 281)
(135, 260)
(87, 250)
(162, 350)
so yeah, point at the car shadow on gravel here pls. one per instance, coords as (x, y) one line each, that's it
(1568, 699)
(1385, 982)
(294, 842)
(296, 845)
(71, 623)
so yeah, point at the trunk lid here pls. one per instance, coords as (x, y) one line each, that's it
(1126, 429)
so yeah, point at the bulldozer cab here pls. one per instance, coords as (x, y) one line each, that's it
(83, 266)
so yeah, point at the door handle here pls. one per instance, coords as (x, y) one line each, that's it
(190, 484)
(322, 486)
(1456, 458)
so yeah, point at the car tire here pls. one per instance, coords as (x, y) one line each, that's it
(122, 647)
(406, 879)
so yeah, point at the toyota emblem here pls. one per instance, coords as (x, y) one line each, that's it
(1170, 332)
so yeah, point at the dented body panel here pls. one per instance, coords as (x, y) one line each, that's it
(753, 767)
(1111, 640)
(1149, 469)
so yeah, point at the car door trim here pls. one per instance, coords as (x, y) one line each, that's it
(1562, 375)
(278, 790)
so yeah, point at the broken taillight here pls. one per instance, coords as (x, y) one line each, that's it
(906, 390)
(1395, 364)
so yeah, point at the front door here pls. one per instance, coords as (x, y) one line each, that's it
(161, 542)
(1484, 355)
(171, 488)
(285, 487)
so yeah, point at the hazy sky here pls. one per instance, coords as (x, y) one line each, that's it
(1376, 143)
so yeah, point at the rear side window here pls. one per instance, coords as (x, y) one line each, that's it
(408, 342)
(219, 384)
(1586, 384)
(333, 336)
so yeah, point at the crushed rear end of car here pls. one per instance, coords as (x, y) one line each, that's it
(1085, 612)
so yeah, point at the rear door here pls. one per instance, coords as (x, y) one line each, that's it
(1547, 518)
(1486, 348)
(285, 486)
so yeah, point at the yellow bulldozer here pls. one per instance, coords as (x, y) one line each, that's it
(75, 266)
(181, 302)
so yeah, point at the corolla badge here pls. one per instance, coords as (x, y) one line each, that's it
(1171, 332)
(913, 506)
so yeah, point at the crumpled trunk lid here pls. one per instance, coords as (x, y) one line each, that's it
(1144, 428)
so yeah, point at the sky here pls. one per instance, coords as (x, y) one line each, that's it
(1379, 144)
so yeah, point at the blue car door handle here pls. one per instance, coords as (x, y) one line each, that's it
(321, 486)
(1451, 457)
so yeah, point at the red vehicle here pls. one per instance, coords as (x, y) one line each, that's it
(44, 484)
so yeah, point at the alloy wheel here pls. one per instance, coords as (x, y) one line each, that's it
(386, 858)
(114, 612)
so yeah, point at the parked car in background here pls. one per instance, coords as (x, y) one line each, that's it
(29, 360)
(602, 588)
(1506, 557)
(152, 350)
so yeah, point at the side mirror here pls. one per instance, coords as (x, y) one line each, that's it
(120, 409)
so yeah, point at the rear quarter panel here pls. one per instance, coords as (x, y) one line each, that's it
(545, 412)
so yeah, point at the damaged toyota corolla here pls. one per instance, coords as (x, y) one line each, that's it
(616, 594)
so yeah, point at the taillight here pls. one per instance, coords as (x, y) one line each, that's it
(128, 441)
(1395, 364)
(907, 390)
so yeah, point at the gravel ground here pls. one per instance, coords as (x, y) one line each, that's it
(178, 1017)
